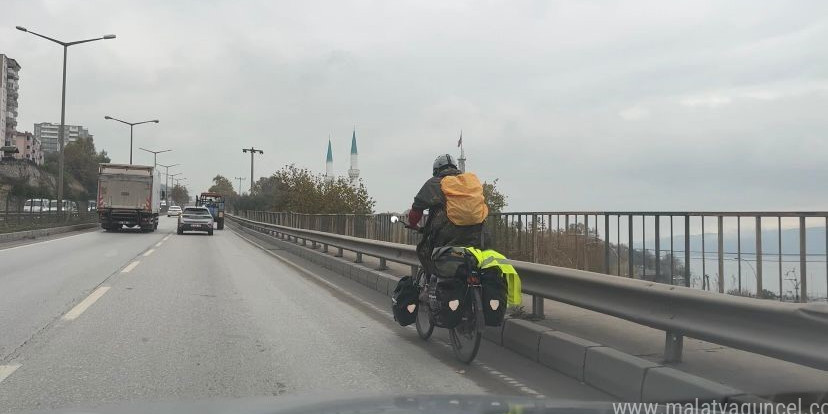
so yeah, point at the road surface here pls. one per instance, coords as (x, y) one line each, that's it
(98, 318)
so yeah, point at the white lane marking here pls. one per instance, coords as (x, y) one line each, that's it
(159, 243)
(85, 304)
(130, 267)
(6, 370)
(505, 378)
(149, 252)
(44, 242)
(168, 236)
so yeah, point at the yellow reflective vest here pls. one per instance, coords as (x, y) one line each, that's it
(490, 258)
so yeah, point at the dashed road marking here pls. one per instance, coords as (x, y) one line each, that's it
(159, 243)
(149, 252)
(85, 304)
(6, 370)
(168, 236)
(130, 267)
(507, 379)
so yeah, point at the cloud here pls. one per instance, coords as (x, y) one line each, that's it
(557, 99)
(634, 113)
(710, 101)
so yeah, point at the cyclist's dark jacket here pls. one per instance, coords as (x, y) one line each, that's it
(438, 230)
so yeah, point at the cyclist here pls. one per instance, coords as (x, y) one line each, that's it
(456, 210)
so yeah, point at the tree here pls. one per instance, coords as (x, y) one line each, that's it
(179, 195)
(81, 163)
(222, 186)
(300, 190)
(494, 198)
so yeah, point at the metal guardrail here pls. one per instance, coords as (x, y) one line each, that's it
(788, 331)
(768, 255)
(21, 221)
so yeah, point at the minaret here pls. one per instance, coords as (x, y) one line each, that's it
(353, 172)
(329, 162)
(462, 159)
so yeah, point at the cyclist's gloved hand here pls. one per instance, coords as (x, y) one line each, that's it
(414, 217)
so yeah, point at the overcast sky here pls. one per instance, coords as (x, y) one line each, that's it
(594, 105)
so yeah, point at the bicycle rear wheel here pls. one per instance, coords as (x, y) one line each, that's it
(465, 337)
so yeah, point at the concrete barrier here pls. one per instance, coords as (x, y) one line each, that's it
(564, 352)
(663, 384)
(615, 372)
(625, 376)
(523, 337)
(33, 234)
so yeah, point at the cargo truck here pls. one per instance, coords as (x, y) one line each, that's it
(128, 195)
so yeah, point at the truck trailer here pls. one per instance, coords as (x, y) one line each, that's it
(128, 195)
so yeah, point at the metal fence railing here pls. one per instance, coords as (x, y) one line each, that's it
(794, 332)
(17, 221)
(769, 255)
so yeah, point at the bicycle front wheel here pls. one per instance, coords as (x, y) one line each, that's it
(466, 336)
(424, 326)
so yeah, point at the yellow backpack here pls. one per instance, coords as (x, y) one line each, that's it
(465, 204)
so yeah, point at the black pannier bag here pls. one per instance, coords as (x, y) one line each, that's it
(444, 294)
(494, 296)
(404, 302)
(452, 261)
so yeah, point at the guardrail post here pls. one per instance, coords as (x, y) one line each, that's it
(304, 242)
(414, 269)
(759, 285)
(721, 255)
(358, 258)
(382, 264)
(606, 244)
(338, 252)
(537, 307)
(687, 251)
(657, 226)
(803, 262)
(673, 346)
(630, 250)
(313, 245)
(325, 248)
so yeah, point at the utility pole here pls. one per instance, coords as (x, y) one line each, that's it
(240, 180)
(252, 152)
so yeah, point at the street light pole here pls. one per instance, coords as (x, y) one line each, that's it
(154, 154)
(172, 181)
(62, 130)
(240, 180)
(252, 152)
(167, 182)
(131, 124)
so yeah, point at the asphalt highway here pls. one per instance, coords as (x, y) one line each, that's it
(97, 318)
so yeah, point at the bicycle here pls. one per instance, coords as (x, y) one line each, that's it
(467, 334)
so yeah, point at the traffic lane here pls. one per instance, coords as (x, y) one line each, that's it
(212, 317)
(493, 363)
(41, 281)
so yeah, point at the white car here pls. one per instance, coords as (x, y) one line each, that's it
(174, 211)
(67, 206)
(195, 219)
(36, 205)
